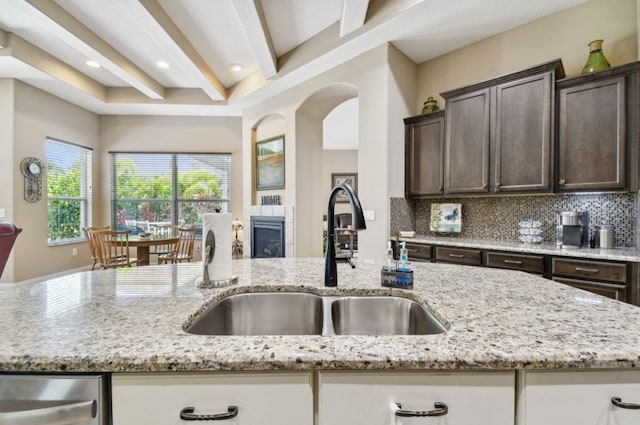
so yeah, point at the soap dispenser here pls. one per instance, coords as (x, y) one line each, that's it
(390, 264)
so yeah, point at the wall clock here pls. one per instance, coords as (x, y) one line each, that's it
(32, 169)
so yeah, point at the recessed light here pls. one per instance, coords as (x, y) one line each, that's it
(93, 64)
(162, 64)
(236, 67)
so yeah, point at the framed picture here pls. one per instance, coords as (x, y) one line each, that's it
(270, 163)
(344, 178)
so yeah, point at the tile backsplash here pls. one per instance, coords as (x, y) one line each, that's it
(497, 218)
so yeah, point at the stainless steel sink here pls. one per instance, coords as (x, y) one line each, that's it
(258, 313)
(382, 316)
(297, 313)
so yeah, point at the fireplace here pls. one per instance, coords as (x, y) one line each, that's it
(267, 237)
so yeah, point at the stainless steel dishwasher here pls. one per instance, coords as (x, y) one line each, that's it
(33, 399)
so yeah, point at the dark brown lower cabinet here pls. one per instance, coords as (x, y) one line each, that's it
(611, 290)
(524, 262)
(614, 279)
(469, 257)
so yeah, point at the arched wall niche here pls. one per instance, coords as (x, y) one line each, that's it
(265, 128)
(310, 180)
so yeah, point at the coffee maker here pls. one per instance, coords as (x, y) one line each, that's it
(574, 229)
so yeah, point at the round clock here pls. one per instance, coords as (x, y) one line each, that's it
(32, 169)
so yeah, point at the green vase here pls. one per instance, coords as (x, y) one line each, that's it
(596, 60)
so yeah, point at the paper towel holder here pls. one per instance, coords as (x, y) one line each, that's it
(208, 253)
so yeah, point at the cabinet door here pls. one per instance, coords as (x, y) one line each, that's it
(579, 398)
(592, 136)
(530, 263)
(424, 149)
(158, 399)
(467, 143)
(523, 131)
(611, 290)
(366, 398)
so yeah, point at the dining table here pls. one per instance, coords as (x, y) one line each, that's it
(143, 245)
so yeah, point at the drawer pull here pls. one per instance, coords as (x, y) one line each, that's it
(617, 401)
(586, 270)
(412, 250)
(441, 409)
(513, 262)
(187, 415)
(456, 255)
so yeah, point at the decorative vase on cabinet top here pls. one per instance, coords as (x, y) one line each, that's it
(431, 105)
(596, 60)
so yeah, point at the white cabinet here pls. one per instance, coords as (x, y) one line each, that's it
(578, 398)
(358, 397)
(260, 398)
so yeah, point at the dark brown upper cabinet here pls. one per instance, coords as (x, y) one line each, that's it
(597, 145)
(424, 149)
(499, 133)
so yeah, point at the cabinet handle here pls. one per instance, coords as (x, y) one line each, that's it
(586, 270)
(617, 401)
(562, 182)
(456, 255)
(497, 185)
(440, 189)
(412, 250)
(441, 409)
(513, 262)
(484, 185)
(187, 415)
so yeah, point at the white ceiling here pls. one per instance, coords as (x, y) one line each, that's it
(279, 43)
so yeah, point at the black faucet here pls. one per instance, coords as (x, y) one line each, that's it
(357, 223)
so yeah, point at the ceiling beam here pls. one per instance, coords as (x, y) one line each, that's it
(354, 13)
(64, 26)
(254, 25)
(195, 65)
(37, 58)
(3, 39)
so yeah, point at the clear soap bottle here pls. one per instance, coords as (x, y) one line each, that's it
(390, 264)
(559, 231)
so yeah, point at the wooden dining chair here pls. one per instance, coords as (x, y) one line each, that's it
(91, 240)
(163, 231)
(113, 248)
(184, 247)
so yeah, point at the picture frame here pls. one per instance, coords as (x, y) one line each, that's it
(269, 160)
(340, 178)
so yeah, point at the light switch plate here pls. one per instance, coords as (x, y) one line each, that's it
(369, 215)
(3, 213)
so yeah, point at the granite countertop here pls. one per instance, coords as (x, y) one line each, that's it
(617, 254)
(132, 320)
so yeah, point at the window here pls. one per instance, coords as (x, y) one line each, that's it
(173, 188)
(69, 178)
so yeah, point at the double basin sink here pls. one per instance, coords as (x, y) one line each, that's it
(298, 313)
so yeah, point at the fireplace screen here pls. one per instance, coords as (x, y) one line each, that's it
(267, 237)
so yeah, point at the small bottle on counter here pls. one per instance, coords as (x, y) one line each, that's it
(390, 264)
(559, 231)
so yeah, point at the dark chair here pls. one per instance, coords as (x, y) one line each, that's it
(8, 234)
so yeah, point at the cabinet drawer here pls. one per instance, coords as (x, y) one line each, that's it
(420, 252)
(359, 398)
(526, 263)
(597, 270)
(269, 398)
(579, 398)
(611, 290)
(471, 257)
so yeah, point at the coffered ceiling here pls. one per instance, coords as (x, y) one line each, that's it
(276, 44)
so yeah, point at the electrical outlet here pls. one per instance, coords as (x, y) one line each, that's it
(369, 215)
(74, 251)
(3, 213)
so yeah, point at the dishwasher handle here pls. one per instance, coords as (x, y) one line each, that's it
(63, 414)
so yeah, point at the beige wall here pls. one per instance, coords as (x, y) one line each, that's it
(369, 75)
(171, 134)
(337, 161)
(7, 161)
(563, 35)
(39, 115)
